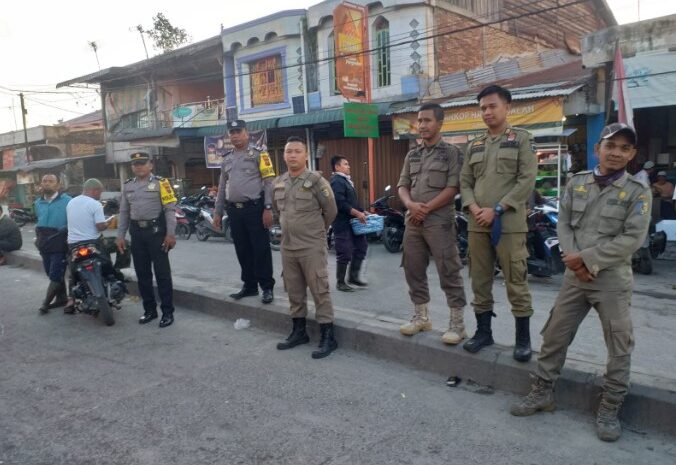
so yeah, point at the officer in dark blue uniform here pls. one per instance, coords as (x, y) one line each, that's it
(147, 209)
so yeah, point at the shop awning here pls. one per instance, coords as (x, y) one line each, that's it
(51, 163)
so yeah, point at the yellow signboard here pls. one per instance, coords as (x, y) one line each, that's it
(468, 119)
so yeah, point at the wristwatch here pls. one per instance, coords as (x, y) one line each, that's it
(267, 206)
(499, 210)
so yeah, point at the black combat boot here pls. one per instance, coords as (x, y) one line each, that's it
(52, 290)
(327, 343)
(297, 337)
(355, 268)
(522, 350)
(341, 269)
(483, 336)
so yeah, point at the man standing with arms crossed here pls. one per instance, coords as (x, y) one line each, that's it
(498, 177)
(306, 207)
(603, 219)
(245, 190)
(428, 184)
(148, 209)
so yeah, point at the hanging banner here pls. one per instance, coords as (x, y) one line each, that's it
(215, 147)
(524, 113)
(350, 32)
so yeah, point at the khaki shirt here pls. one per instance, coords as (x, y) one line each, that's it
(241, 179)
(429, 170)
(500, 170)
(607, 226)
(141, 200)
(306, 208)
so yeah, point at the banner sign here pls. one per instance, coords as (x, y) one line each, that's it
(360, 120)
(351, 42)
(215, 147)
(523, 113)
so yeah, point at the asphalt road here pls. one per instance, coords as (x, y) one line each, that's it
(73, 391)
(213, 266)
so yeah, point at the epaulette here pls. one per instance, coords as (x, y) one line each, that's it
(638, 181)
(580, 173)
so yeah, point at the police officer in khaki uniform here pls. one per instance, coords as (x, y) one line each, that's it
(245, 190)
(427, 186)
(603, 219)
(307, 207)
(147, 209)
(497, 179)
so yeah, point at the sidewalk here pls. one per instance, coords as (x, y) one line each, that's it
(205, 273)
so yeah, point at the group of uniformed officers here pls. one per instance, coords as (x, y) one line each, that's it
(603, 219)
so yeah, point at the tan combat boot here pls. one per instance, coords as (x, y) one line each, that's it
(539, 399)
(419, 322)
(456, 328)
(608, 426)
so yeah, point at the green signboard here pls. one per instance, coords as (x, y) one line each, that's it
(360, 120)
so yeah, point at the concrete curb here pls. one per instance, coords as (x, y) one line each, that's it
(651, 403)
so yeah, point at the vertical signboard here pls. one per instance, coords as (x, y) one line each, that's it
(351, 40)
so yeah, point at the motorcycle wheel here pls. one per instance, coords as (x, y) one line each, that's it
(645, 264)
(182, 231)
(105, 311)
(202, 234)
(390, 241)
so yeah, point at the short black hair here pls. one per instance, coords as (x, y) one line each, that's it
(436, 109)
(335, 160)
(503, 93)
(51, 173)
(296, 139)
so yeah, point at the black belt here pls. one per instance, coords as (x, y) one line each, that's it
(145, 224)
(248, 203)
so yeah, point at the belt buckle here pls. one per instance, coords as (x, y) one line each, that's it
(143, 223)
(239, 205)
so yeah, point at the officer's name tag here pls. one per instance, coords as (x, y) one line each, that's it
(509, 144)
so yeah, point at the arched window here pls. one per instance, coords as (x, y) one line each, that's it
(382, 35)
(331, 49)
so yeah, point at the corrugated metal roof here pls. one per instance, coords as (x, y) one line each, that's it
(453, 83)
(50, 163)
(506, 69)
(481, 76)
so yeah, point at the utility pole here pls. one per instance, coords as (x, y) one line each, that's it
(140, 30)
(25, 131)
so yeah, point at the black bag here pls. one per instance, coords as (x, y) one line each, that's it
(51, 240)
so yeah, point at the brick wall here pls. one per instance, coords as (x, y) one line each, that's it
(561, 29)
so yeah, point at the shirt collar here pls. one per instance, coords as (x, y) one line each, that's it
(52, 198)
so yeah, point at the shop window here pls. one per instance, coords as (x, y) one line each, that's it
(382, 34)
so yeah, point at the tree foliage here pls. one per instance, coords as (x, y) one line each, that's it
(165, 36)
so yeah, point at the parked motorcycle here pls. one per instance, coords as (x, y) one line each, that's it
(183, 228)
(22, 216)
(653, 246)
(97, 290)
(394, 223)
(205, 228)
(542, 242)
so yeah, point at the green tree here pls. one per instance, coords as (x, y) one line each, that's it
(165, 36)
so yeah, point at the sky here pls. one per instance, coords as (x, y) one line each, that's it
(45, 42)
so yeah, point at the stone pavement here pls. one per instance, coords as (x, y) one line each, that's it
(212, 266)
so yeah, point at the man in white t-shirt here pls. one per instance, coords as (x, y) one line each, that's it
(85, 220)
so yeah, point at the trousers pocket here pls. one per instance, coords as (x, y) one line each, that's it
(621, 340)
(323, 280)
(518, 267)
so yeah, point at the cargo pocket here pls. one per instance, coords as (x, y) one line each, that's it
(414, 170)
(621, 338)
(518, 267)
(305, 201)
(438, 175)
(612, 220)
(476, 162)
(577, 211)
(323, 280)
(280, 198)
(508, 161)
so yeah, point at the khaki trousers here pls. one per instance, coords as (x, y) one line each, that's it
(511, 253)
(439, 241)
(301, 271)
(571, 307)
